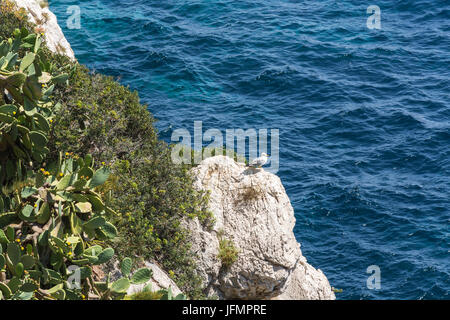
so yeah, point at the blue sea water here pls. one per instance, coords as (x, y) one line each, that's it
(364, 115)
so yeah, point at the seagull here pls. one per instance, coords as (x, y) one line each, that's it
(259, 162)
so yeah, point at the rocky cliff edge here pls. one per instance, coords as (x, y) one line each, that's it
(255, 217)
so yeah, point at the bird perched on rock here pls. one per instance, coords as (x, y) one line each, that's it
(259, 162)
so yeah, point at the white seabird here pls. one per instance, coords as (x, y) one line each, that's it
(259, 162)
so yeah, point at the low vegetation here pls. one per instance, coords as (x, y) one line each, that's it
(52, 219)
(148, 294)
(228, 253)
(95, 117)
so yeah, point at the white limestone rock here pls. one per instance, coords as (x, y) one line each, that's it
(44, 18)
(252, 209)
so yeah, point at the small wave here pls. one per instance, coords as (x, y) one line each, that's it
(429, 124)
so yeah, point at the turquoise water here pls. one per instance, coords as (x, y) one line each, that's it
(363, 114)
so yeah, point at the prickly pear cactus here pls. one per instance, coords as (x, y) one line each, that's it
(52, 224)
(51, 231)
(27, 81)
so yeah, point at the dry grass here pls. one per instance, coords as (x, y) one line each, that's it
(43, 4)
(8, 6)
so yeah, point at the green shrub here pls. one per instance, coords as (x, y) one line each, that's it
(148, 294)
(228, 253)
(148, 193)
(145, 295)
(205, 152)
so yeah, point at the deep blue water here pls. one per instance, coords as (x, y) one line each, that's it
(363, 114)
